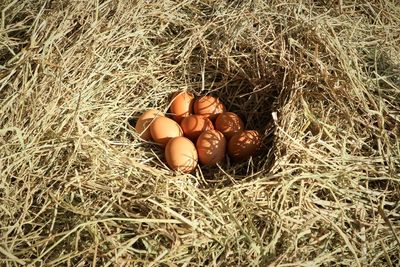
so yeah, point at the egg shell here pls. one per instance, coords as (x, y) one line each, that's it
(143, 123)
(211, 147)
(244, 144)
(208, 106)
(163, 129)
(181, 154)
(229, 123)
(194, 125)
(181, 105)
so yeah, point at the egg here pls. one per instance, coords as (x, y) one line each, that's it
(208, 106)
(181, 105)
(244, 144)
(143, 123)
(229, 123)
(194, 125)
(181, 154)
(162, 129)
(211, 147)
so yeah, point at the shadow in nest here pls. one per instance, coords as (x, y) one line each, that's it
(251, 91)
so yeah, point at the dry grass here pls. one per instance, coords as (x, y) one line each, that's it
(321, 80)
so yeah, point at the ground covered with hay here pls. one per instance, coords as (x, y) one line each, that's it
(320, 80)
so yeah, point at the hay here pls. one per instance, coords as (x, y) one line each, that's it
(320, 80)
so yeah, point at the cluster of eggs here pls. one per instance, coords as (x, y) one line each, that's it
(198, 130)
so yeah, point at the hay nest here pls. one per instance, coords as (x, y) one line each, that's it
(320, 80)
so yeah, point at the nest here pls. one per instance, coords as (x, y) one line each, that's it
(321, 82)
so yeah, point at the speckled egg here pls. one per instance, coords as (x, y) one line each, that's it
(229, 123)
(181, 154)
(211, 147)
(209, 107)
(244, 144)
(143, 123)
(163, 129)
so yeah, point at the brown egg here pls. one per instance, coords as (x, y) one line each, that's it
(244, 144)
(181, 105)
(208, 106)
(143, 123)
(162, 129)
(181, 154)
(211, 147)
(229, 123)
(194, 125)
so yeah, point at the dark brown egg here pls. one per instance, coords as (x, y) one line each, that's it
(244, 144)
(229, 123)
(211, 147)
